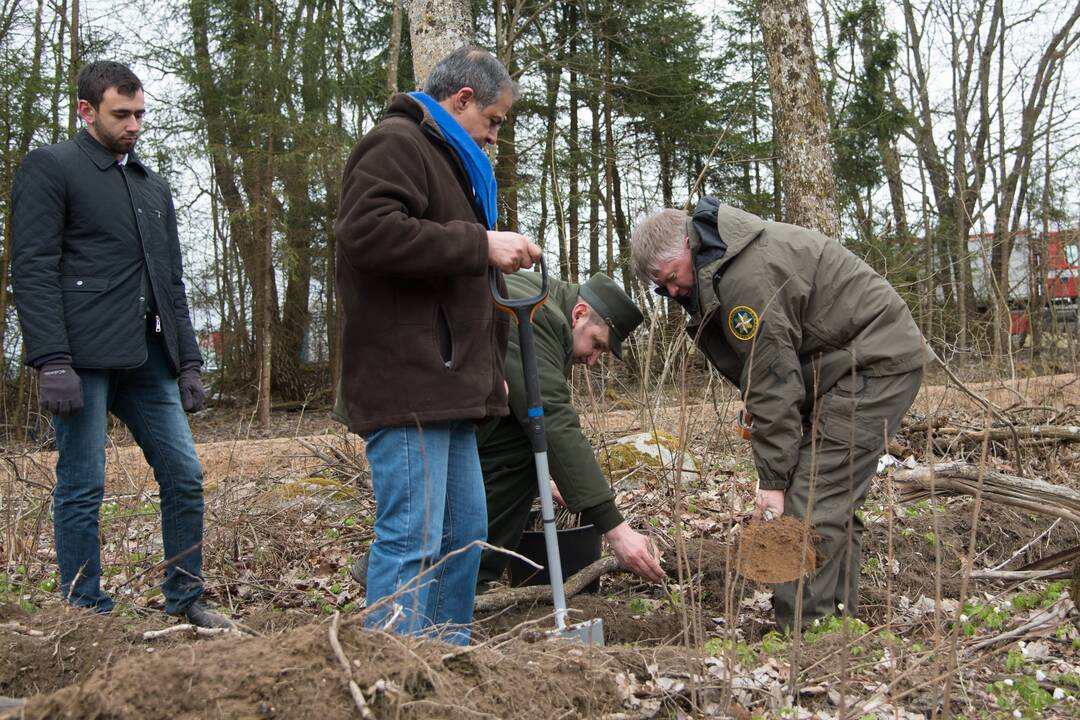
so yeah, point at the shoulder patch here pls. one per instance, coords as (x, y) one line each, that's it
(742, 321)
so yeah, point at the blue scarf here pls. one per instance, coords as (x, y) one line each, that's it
(472, 157)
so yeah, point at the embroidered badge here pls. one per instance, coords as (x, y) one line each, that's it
(743, 322)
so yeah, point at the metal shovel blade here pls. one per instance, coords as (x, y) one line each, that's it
(589, 632)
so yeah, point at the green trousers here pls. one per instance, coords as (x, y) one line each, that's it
(841, 444)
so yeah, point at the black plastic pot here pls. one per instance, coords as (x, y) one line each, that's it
(578, 548)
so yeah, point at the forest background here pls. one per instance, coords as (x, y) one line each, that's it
(944, 120)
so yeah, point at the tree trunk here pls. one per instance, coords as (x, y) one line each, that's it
(802, 141)
(21, 146)
(437, 28)
(574, 149)
(553, 77)
(594, 185)
(506, 173)
(393, 52)
(73, 70)
(265, 308)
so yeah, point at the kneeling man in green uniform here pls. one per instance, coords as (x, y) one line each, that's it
(577, 324)
(825, 354)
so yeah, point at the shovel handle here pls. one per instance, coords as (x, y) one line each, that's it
(523, 310)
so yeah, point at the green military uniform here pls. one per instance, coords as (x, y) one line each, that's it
(505, 453)
(828, 360)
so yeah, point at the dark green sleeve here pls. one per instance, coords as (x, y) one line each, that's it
(771, 381)
(570, 456)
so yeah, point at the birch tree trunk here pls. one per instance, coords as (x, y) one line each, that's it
(393, 52)
(802, 140)
(437, 28)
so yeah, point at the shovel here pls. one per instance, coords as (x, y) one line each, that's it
(589, 632)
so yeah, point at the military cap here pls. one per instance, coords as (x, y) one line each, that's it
(613, 304)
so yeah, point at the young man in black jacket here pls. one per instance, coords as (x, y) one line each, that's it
(100, 295)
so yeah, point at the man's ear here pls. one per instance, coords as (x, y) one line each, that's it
(86, 111)
(580, 311)
(463, 97)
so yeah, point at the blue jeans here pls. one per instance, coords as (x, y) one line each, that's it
(429, 501)
(147, 400)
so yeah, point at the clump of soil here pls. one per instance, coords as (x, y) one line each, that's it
(773, 551)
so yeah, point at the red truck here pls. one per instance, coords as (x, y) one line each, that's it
(1050, 261)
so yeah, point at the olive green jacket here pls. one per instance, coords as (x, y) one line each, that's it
(573, 463)
(784, 312)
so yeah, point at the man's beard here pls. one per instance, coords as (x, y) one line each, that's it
(119, 144)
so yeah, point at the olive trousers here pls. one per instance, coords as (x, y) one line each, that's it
(842, 442)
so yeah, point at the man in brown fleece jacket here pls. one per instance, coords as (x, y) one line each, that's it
(423, 347)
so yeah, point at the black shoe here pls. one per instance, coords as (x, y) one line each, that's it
(200, 615)
(358, 570)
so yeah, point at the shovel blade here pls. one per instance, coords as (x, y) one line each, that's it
(589, 632)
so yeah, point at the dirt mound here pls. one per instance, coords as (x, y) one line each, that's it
(776, 551)
(59, 645)
(295, 675)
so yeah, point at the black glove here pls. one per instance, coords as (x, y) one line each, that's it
(192, 394)
(59, 388)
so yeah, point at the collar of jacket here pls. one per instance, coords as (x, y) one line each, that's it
(99, 154)
(718, 233)
(404, 106)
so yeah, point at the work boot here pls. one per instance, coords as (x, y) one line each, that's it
(358, 570)
(200, 615)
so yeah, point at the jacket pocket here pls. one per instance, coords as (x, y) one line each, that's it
(81, 283)
(444, 337)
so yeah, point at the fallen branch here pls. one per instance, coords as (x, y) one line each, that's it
(1064, 433)
(1042, 623)
(955, 478)
(1015, 575)
(22, 630)
(339, 653)
(489, 602)
(187, 628)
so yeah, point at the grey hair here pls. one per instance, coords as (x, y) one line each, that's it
(473, 67)
(657, 239)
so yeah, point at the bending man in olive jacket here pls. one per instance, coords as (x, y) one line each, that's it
(100, 294)
(825, 353)
(575, 324)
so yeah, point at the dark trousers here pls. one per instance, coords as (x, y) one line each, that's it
(837, 460)
(510, 487)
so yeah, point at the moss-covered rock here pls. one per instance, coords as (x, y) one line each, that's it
(645, 457)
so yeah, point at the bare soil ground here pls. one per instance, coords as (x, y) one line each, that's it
(287, 513)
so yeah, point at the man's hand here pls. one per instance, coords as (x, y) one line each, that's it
(510, 252)
(192, 394)
(556, 495)
(635, 552)
(769, 504)
(59, 388)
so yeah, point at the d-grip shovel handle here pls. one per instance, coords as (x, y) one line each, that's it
(523, 310)
(510, 304)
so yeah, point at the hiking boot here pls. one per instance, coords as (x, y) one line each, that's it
(200, 615)
(358, 570)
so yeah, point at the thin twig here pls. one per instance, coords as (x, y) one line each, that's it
(339, 653)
